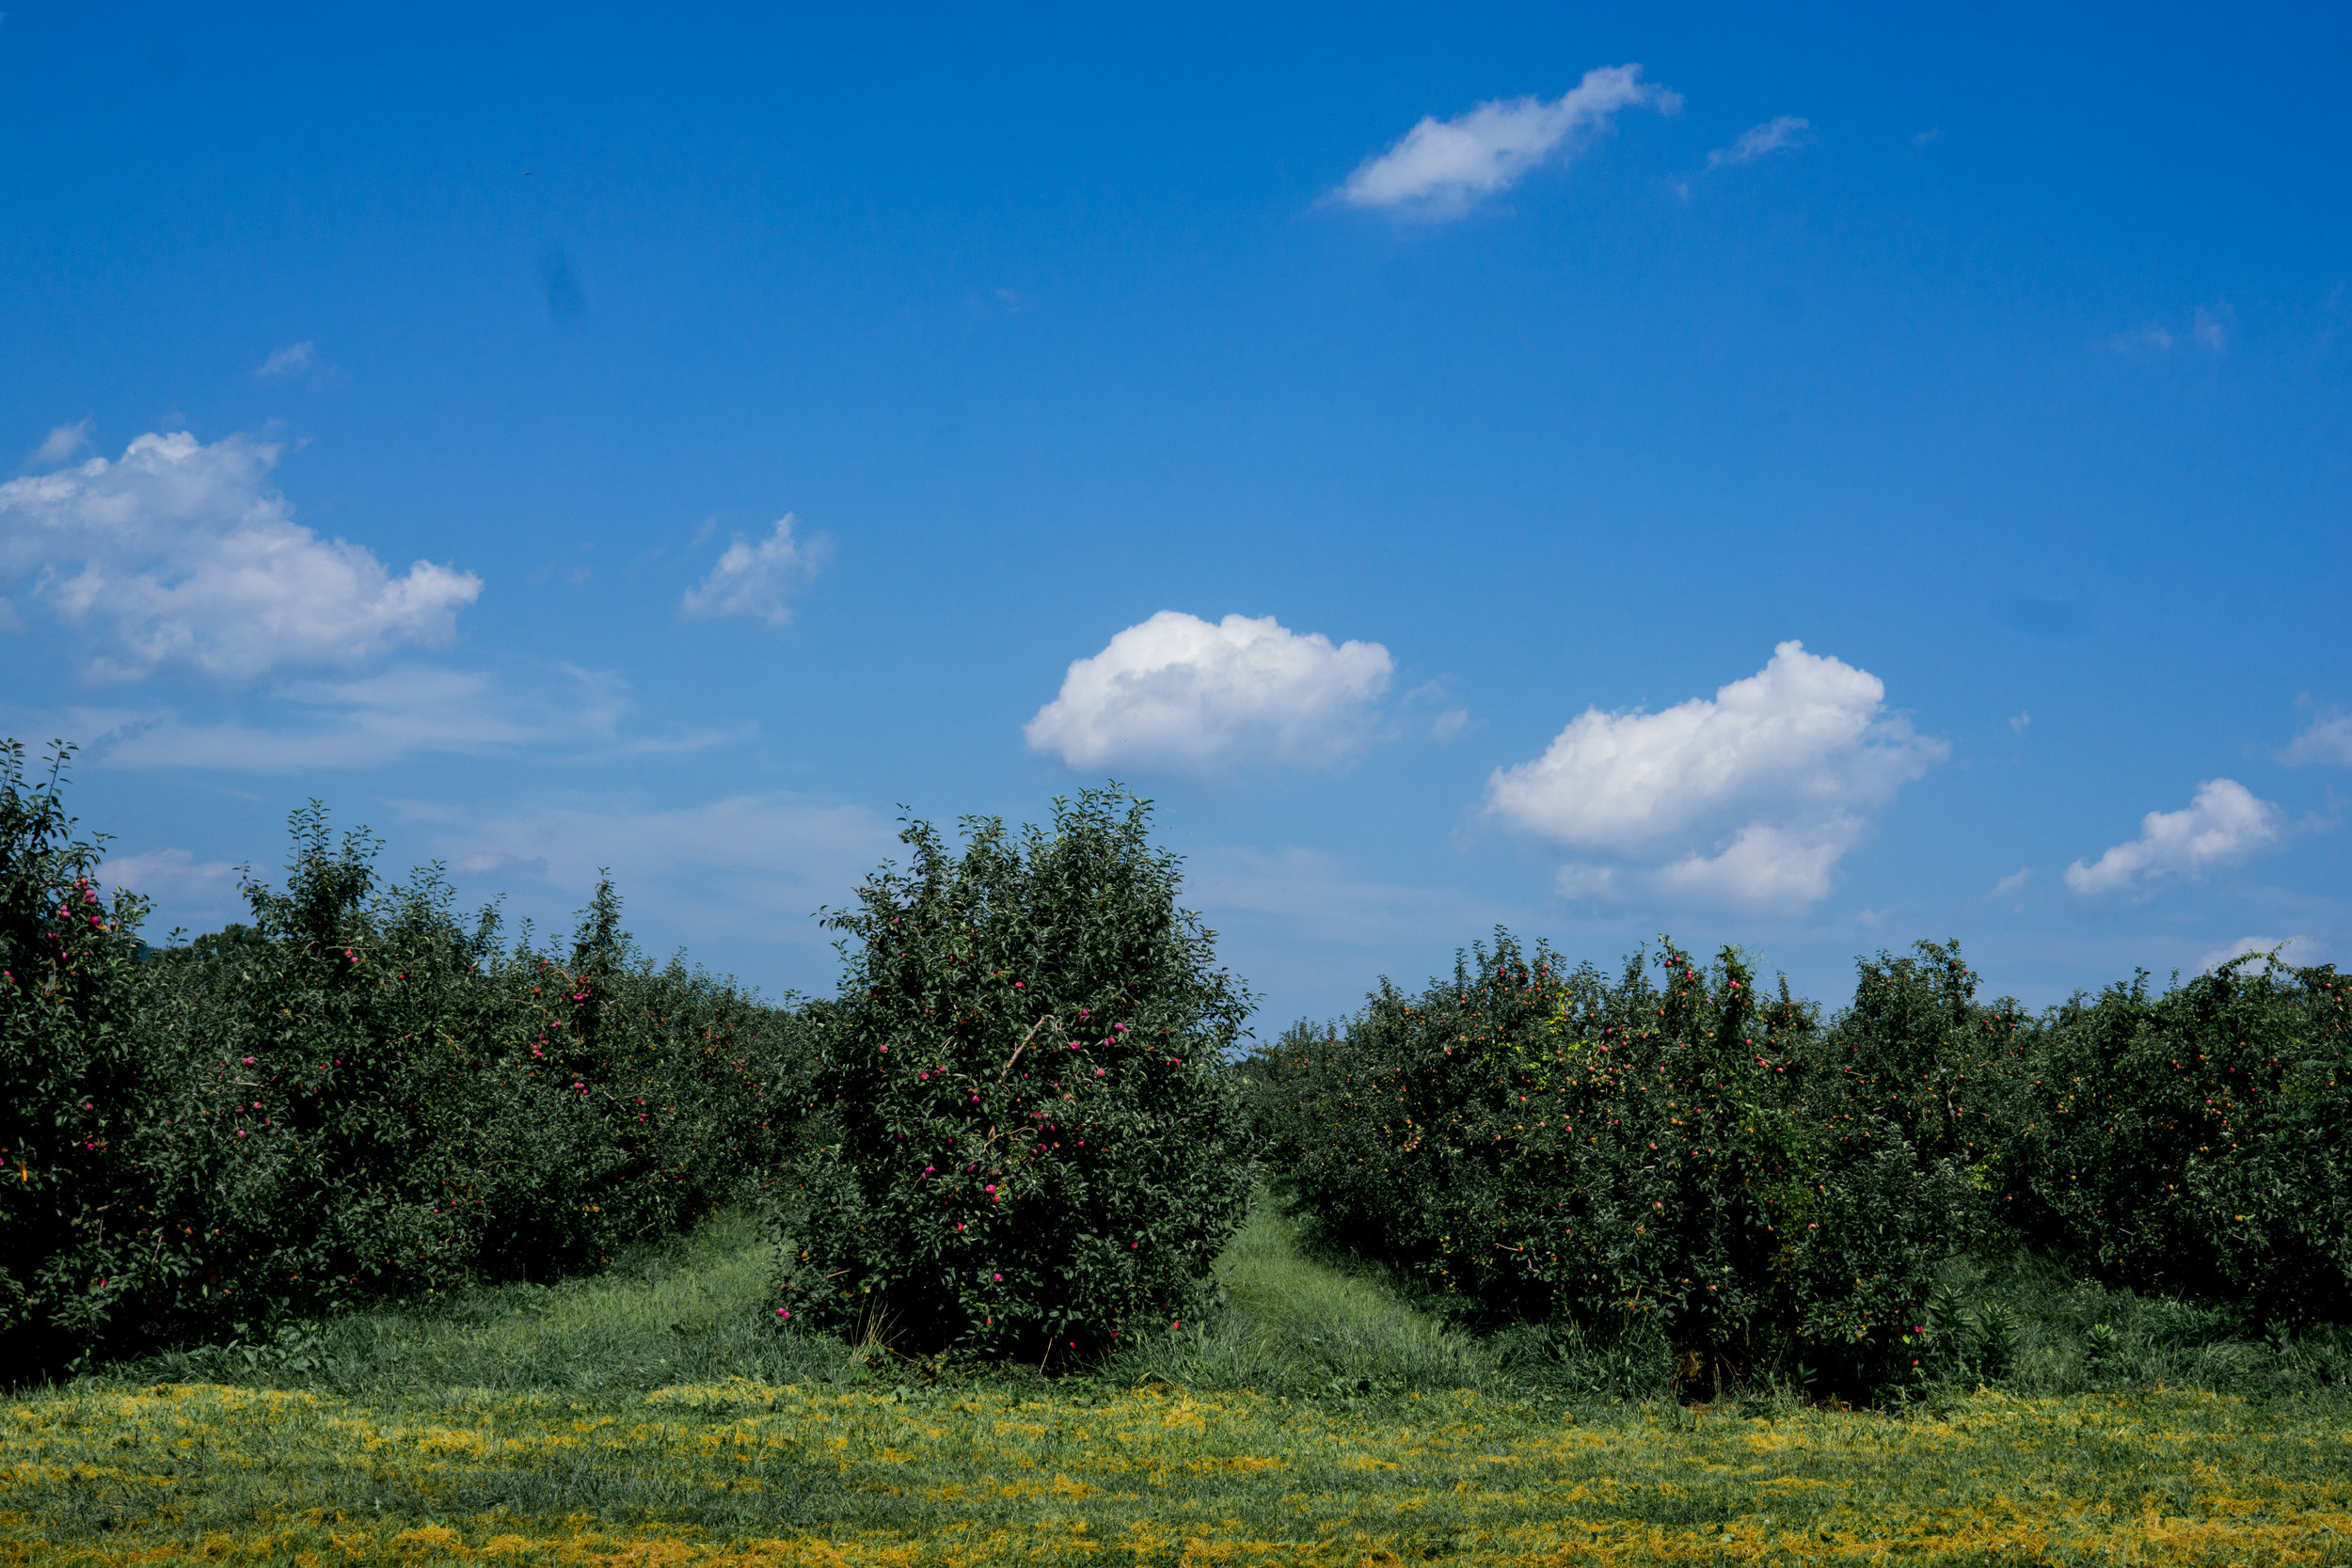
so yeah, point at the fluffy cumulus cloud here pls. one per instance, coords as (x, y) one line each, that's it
(2222, 825)
(1781, 132)
(181, 554)
(1442, 166)
(1749, 797)
(759, 578)
(1177, 691)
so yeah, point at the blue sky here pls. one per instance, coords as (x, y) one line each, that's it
(1810, 478)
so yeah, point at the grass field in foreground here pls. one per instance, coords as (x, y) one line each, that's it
(645, 1417)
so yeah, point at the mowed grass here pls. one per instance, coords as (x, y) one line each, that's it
(648, 1417)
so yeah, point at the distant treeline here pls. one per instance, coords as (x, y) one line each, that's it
(354, 1095)
(1773, 1191)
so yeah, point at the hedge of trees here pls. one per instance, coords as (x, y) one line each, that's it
(1021, 1129)
(1017, 1132)
(1772, 1190)
(356, 1095)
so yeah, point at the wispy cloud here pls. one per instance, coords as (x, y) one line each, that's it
(2209, 328)
(360, 723)
(2298, 950)
(1773, 135)
(754, 865)
(62, 443)
(286, 363)
(1322, 898)
(759, 578)
(1442, 166)
(174, 880)
(2326, 740)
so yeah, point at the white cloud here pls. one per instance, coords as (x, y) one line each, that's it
(184, 554)
(2327, 740)
(2020, 723)
(1442, 167)
(759, 578)
(62, 442)
(1177, 691)
(1766, 866)
(1782, 131)
(1749, 797)
(2014, 883)
(2222, 825)
(1807, 731)
(2299, 950)
(291, 360)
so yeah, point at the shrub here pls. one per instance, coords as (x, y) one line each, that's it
(1032, 1143)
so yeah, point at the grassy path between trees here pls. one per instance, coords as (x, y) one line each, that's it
(645, 1417)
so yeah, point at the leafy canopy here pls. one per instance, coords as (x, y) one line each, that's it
(1032, 1143)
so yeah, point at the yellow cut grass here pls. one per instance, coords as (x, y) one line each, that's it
(607, 1420)
(1154, 1474)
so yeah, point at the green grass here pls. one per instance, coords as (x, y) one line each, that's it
(688, 1312)
(648, 1415)
(1293, 1324)
(685, 1310)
